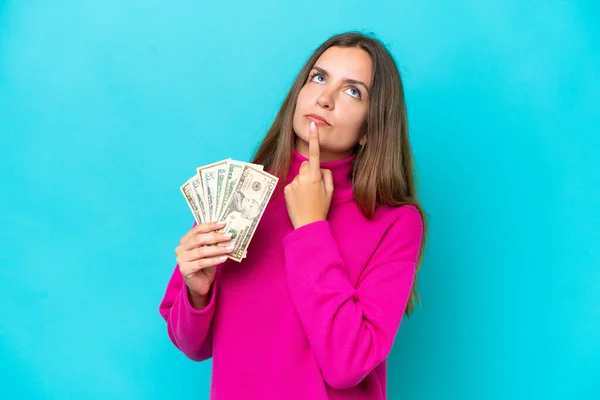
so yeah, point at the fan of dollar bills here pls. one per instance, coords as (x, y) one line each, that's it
(234, 192)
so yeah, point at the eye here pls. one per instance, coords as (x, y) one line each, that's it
(317, 75)
(354, 92)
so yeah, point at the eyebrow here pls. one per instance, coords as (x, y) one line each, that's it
(347, 80)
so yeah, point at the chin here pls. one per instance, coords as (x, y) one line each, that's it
(301, 133)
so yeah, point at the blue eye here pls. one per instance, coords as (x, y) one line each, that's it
(356, 92)
(317, 76)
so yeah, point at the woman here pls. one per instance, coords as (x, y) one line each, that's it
(313, 310)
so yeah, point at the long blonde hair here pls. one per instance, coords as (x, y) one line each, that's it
(383, 171)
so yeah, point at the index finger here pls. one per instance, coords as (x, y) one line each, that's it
(201, 228)
(314, 162)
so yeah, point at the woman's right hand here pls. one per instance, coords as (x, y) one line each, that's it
(197, 258)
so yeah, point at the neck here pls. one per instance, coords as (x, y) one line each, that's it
(325, 156)
(341, 171)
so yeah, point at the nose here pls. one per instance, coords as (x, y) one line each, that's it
(325, 100)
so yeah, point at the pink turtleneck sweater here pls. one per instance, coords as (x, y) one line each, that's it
(311, 313)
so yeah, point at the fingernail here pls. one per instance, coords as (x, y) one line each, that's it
(222, 258)
(227, 235)
(313, 125)
(221, 223)
(229, 248)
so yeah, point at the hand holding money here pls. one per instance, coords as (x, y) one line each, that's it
(197, 256)
(308, 196)
(233, 192)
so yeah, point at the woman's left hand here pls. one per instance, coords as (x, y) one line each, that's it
(308, 196)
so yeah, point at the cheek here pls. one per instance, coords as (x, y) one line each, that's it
(302, 97)
(301, 107)
(303, 103)
(353, 121)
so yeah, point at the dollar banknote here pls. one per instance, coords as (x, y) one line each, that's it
(198, 197)
(188, 192)
(233, 191)
(245, 208)
(212, 176)
(234, 172)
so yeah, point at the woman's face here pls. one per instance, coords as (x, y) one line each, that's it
(337, 91)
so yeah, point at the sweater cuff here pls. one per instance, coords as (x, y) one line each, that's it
(307, 230)
(208, 309)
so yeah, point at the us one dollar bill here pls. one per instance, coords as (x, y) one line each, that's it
(232, 191)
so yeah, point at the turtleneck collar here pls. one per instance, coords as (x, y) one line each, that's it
(341, 171)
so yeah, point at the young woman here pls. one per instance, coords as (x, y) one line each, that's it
(313, 310)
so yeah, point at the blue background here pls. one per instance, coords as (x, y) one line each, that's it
(106, 107)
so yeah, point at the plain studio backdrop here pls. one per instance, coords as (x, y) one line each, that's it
(107, 107)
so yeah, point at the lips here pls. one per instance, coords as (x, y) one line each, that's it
(317, 119)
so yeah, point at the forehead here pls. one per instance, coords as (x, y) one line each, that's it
(347, 62)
